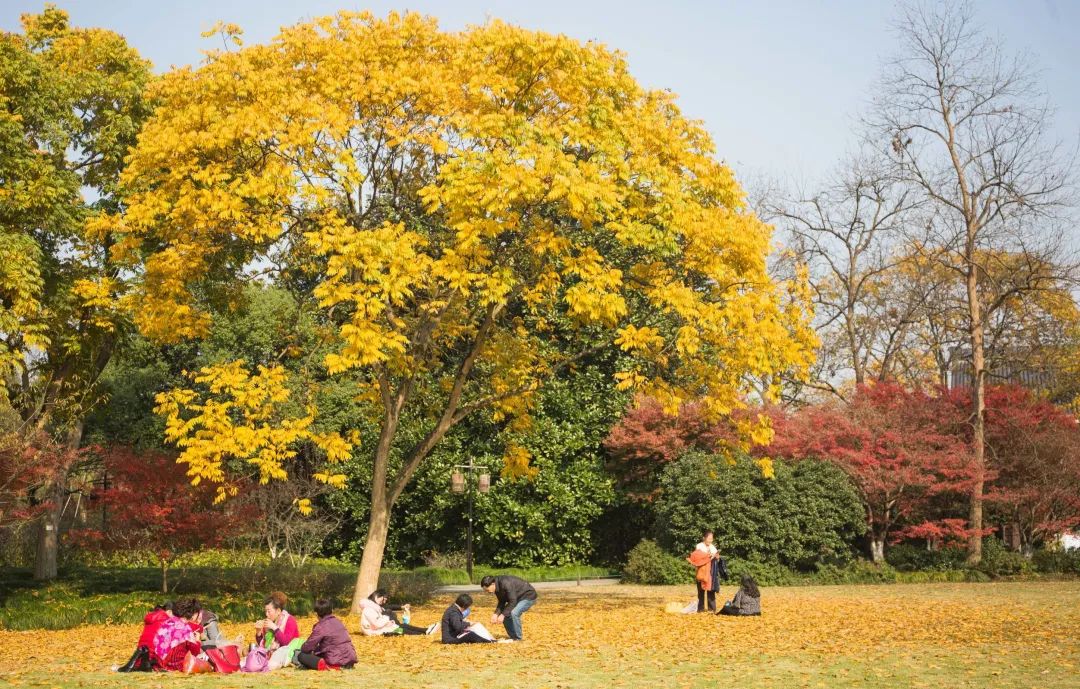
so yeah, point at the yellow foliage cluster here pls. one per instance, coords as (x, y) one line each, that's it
(488, 187)
(240, 417)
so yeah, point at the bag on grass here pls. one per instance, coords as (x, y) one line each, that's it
(140, 661)
(258, 660)
(226, 659)
(194, 665)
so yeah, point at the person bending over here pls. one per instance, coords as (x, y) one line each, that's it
(513, 598)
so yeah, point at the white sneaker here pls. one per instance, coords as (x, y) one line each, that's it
(432, 629)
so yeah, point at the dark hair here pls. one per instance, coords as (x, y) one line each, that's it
(487, 581)
(278, 599)
(378, 593)
(749, 586)
(167, 605)
(323, 608)
(707, 532)
(464, 601)
(185, 608)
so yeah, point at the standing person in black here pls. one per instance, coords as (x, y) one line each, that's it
(513, 598)
(455, 630)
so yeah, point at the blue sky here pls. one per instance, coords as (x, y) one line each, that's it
(777, 82)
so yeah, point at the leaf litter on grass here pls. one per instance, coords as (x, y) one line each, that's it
(622, 635)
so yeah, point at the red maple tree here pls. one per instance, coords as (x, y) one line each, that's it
(150, 505)
(901, 448)
(1033, 447)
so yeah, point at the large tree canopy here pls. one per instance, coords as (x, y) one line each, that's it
(71, 102)
(472, 212)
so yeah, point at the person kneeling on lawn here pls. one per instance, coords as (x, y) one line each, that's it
(747, 600)
(329, 647)
(455, 630)
(513, 598)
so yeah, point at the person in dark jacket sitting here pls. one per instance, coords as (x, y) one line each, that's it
(329, 646)
(747, 600)
(513, 598)
(455, 630)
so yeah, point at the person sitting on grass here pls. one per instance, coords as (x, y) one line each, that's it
(747, 600)
(329, 647)
(277, 631)
(513, 598)
(455, 630)
(142, 660)
(377, 620)
(211, 637)
(178, 635)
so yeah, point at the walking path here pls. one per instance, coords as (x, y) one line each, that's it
(471, 588)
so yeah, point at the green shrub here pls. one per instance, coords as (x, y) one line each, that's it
(448, 577)
(808, 514)
(908, 557)
(998, 561)
(1057, 561)
(764, 573)
(647, 563)
(409, 587)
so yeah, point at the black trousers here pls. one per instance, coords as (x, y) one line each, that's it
(469, 638)
(701, 594)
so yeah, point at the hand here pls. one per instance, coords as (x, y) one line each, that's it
(270, 625)
(494, 618)
(406, 608)
(500, 618)
(260, 624)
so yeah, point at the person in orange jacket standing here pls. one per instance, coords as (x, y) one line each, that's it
(703, 558)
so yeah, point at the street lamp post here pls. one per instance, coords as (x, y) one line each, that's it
(458, 485)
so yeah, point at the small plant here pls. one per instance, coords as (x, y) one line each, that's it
(450, 560)
(647, 563)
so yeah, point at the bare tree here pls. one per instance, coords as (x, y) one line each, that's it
(846, 234)
(968, 126)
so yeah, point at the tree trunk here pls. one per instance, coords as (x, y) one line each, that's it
(164, 576)
(48, 538)
(371, 562)
(48, 542)
(877, 550)
(978, 413)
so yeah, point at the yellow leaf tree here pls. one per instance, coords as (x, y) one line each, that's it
(472, 213)
(71, 102)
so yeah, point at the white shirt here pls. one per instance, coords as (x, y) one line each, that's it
(710, 549)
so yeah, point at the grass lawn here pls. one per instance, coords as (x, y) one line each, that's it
(922, 635)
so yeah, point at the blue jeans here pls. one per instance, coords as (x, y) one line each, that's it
(512, 622)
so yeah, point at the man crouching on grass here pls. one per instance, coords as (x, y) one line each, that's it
(513, 597)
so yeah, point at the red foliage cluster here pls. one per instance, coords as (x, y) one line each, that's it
(1034, 448)
(901, 448)
(150, 505)
(646, 439)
